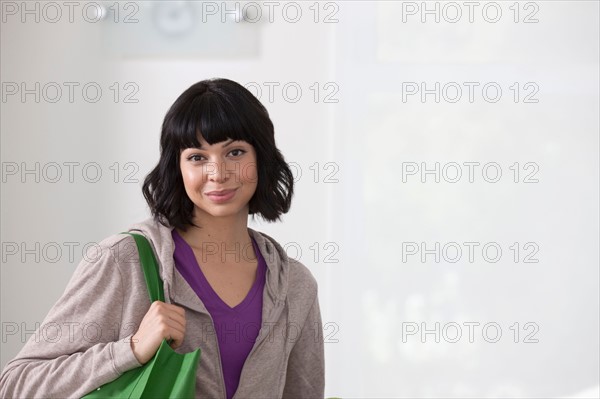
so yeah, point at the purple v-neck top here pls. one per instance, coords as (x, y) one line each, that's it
(236, 328)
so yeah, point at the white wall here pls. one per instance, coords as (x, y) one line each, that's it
(365, 220)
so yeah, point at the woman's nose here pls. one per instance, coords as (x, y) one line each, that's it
(217, 171)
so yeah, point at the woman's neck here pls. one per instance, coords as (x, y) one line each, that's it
(220, 239)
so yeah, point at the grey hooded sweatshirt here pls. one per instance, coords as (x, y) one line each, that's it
(84, 341)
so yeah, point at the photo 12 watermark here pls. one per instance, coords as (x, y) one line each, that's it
(469, 172)
(69, 92)
(71, 172)
(470, 92)
(453, 12)
(53, 12)
(469, 331)
(469, 251)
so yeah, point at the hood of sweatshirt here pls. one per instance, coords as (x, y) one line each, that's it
(178, 290)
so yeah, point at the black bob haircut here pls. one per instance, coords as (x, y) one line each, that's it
(217, 109)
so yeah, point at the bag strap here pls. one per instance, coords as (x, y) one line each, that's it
(150, 268)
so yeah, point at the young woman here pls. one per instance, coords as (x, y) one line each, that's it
(229, 289)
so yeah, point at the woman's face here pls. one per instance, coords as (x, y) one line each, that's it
(228, 167)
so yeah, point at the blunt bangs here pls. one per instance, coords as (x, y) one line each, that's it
(213, 118)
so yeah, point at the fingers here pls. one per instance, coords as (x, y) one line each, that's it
(172, 315)
(161, 321)
(169, 321)
(173, 330)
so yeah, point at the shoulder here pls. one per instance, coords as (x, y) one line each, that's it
(301, 278)
(109, 269)
(114, 249)
(291, 277)
(302, 290)
(110, 258)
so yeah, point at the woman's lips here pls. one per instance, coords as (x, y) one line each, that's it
(222, 196)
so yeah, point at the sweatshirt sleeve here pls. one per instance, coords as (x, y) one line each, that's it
(81, 344)
(305, 377)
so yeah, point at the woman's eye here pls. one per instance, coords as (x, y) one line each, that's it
(236, 153)
(239, 151)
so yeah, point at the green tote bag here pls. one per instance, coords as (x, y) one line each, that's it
(168, 374)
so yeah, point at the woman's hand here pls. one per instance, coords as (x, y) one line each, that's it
(162, 321)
